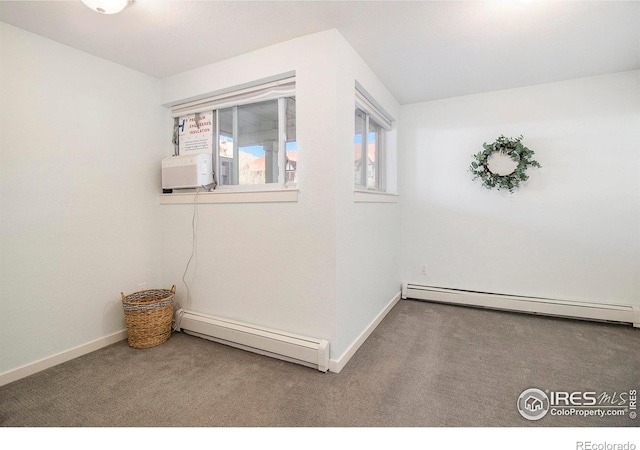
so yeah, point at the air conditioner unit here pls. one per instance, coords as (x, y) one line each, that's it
(187, 171)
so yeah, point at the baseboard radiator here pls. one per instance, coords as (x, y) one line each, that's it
(625, 314)
(302, 350)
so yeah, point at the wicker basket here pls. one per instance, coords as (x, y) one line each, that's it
(148, 316)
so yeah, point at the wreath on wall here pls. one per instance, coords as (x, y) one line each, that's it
(512, 148)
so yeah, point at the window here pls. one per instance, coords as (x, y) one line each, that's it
(369, 152)
(369, 141)
(253, 137)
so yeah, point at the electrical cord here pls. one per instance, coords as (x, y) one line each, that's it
(194, 245)
(193, 257)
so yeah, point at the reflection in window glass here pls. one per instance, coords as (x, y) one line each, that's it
(372, 154)
(368, 152)
(358, 143)
(258, 143)
(291, 146)
(248, 144)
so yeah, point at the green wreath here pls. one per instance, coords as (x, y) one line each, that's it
(512, 148)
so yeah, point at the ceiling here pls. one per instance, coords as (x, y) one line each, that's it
(421, 50)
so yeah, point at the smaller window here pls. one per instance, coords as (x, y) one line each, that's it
(369, 149)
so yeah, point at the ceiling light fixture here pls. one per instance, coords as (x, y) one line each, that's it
(107, 6)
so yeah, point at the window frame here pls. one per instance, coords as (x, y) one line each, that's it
(279, 90)
(373, 113)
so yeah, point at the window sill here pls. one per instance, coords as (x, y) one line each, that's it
(231, 196)
(374, 197)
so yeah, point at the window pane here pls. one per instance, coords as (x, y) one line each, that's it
(291, 145)
(248, 144)
(373, 137)
(225, 147)
(258, 143)
(358, 144)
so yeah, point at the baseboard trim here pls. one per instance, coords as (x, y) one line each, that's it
(336, 365)
(626, 314)
(59, 358)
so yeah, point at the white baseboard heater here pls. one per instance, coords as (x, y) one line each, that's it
(303, 350)
(534, 305)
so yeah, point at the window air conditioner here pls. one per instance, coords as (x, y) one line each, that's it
(187, 171)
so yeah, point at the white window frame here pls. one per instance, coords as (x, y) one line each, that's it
(279, 90)
(372, 112)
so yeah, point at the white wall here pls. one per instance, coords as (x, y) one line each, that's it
(270, 264)
(80, 142)
(368, 234)
(572, 232)
(289, 266)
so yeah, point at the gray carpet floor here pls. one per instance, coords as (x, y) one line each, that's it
(426, 365)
